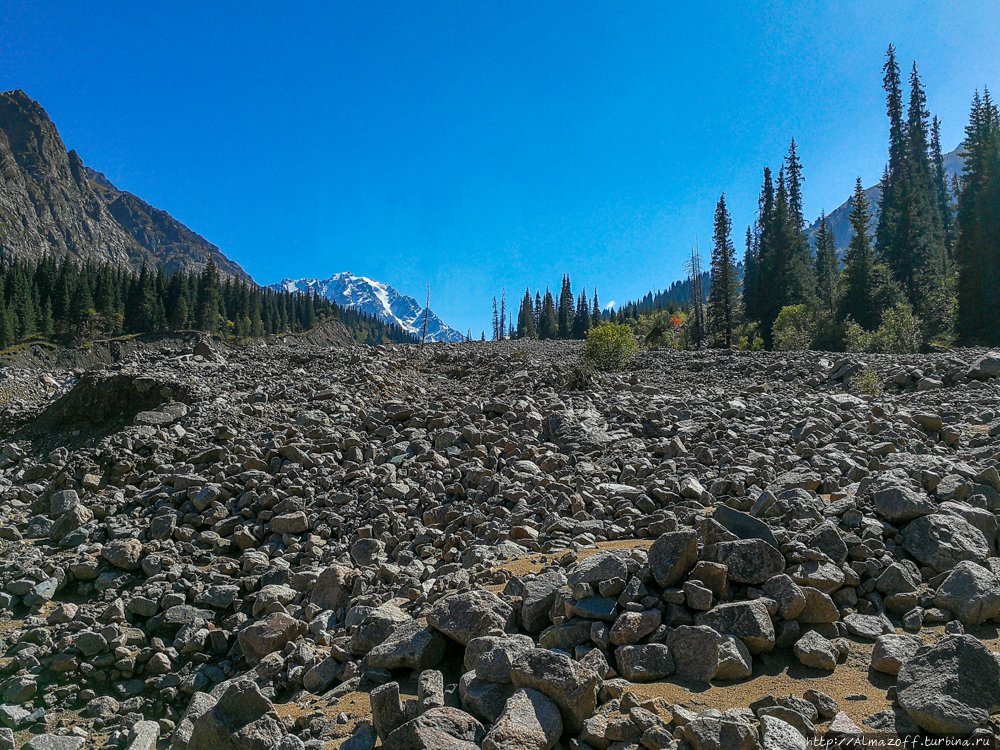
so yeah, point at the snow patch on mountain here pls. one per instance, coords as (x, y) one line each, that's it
(378, 299)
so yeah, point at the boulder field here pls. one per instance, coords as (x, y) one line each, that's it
(467, 546)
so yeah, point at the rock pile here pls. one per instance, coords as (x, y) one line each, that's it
(491, 556)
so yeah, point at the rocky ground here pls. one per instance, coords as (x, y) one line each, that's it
(482, 546)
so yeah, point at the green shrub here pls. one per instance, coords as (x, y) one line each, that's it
(865, 383)
(580, 376)
(748, 337)
(794, 328)
(898, 333)
(610, 346)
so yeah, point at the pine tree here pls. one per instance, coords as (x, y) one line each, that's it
(887, 234)
(941, 186)
(581, 318)
(595, 312)
(751, 275)
(827, 269)
(503, 313)
(566, 307)
(697, 321)
(496, 321)
(723, 296)
(526, 318)
(977, 249)
(207, 308)
(548, 325)
(866, 289)
(927, 275)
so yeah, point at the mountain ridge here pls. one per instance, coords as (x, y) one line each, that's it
(376, 298)
(51, 202)
(839, 220)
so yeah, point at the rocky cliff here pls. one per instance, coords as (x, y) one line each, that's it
(50, 202)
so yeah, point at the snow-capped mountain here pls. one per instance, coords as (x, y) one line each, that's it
(377, 299)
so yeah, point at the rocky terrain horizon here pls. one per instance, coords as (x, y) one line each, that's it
(485, 546)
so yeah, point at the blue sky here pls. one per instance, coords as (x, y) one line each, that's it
(474, 145)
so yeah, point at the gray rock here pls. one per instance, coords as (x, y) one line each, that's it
(530, 721)
(599, 567)
(744, 525)
(941, 541)
(490, 657)
(470, 614)
(645, 663)
(952, 687)
(54, 742)
(539, 594)
(437, 729)
(749, 621)
(672, 555)
(813, 650)
(143, 736)
(791, 601)
(243, 719)
(484, 700)
(892, 651)
(735, 661)
(971, 592)
(751, 561)
(269, 635)
(777, 734)
(713, 731)
(572, 686)
(413, 645)
(899, 504)
(695, 651)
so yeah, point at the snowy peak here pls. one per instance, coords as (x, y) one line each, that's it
(375, 298)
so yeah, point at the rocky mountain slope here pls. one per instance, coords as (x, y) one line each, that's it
(378, 299)
(50, 202)
(839, 219)
(472, 547)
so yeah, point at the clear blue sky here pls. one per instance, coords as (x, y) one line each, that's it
(479, 144)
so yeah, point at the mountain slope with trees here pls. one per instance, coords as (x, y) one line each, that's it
(52, 204)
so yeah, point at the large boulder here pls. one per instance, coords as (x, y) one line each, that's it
(413, 645)
(442, 728)
(243, 719)
(672, 555)
(333, 587)
(268, 635)
(942, 540)
(750, 561)
(377, 626)
(899, 503)
(813, 650)
(539, 594)
(469, 614)
(714, 731)
(602, 566)
(971, 592)
(490, 656)
(572, 686)
(952, 687)
(749, 621)
(648, 662)
(892, 651)
(530, 721)
(696, 651)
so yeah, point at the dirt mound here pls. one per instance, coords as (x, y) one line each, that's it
(102, 402)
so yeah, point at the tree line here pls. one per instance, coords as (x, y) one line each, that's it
(929, 267)
(926, 274)
(545, 316)
(69, 301)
